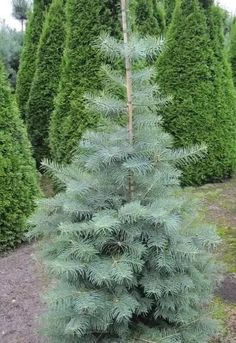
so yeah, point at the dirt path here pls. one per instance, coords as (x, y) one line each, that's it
(19, 297)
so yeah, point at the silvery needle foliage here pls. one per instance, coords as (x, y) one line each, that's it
(131, 264)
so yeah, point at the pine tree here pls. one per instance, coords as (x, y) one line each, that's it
(46, 79)
(131, 260)
(17, 171)
(28, 56)
(189, 72)
(86, 20)
(150, 17)
(232, 51)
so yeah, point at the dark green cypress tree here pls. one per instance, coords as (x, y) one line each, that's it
(17, 170)
(232, 51)
(188, 71)
(28, 56)
(150, 17)
(224, 98)
(46, 79)
(86, 20)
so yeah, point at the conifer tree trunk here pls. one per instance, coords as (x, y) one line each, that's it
(128, 73)
(128, 70)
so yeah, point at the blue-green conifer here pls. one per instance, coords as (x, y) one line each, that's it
(131, 261)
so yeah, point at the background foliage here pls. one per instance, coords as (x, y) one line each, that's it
(194, 71)
(29, 53)
(46, 79)
(10, 48)
(232, 51)
(86, 20)
(150, 17)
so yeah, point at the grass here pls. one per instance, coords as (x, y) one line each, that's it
(219, 208)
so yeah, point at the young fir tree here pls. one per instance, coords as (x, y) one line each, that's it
(46, 79)
(86, 19)
(131, 260)
(232, 51)
(29, 53)
(189, 71)
(150, 17)
(17, 171)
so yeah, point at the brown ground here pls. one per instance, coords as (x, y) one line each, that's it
(19, 297)
(21, 281)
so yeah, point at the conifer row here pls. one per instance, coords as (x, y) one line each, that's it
(86, 21)
(46, 80)
(193, 69)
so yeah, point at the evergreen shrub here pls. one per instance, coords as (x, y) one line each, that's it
(232, 51)
(224, 99)
(29, 53)
(86, 20)
(17, 171)
(193, 71)
(150, 17)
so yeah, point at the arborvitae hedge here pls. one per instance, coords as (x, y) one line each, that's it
(150, 17)
(46, 79)
(17, 170)
(28, 56)
(188, 70)
(232, 51)
(86, 20)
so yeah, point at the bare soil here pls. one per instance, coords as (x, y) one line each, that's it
(20, 303)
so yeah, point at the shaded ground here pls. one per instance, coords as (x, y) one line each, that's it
(19, 297)
(21, 281)
(220, 209)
